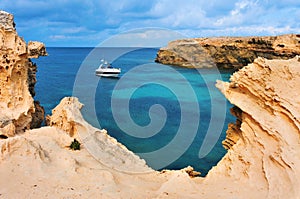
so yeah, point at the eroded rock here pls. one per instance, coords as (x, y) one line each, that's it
(17, 80)
(7, 20)
(36, 49)
(106, 149)
(265, 158)
(228, 52)
(233, 133)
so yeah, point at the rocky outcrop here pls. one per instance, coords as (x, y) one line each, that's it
(7, 21)
(265, 158)
(66, 116)
(262, 162)
(107, 150)
(36, 49)
(228, 52)
(17, 79)
(263, 145)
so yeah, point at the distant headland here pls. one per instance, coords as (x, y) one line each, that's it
(228, 52)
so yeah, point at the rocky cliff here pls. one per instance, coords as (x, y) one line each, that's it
(228, 52)
(40, 164)
(263, 145)
(263, 159)
(18, 111)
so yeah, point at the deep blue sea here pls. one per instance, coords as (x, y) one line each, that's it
(162, 113)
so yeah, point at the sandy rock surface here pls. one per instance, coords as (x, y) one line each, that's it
(265, 158)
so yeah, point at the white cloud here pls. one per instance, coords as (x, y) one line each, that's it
(144, 37)
(177, 14)
(94, 21)
(242, 31)
(73, 30)
(243, 12)
(58, 37)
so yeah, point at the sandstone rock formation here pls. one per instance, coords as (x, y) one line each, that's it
(36, 49)
(265, 161)
(17, 79)
(107, 150)
(263, 145)
(7, 21)
(40, 164)
(228, 52)
(262, 163)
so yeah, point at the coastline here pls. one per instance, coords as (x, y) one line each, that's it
(228, 52)
(39, 163)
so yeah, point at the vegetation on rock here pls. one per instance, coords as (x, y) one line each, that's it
(75, 145)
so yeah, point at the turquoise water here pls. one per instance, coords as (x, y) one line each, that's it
(181, 92)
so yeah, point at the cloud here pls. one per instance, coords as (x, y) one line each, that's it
(243, 13)
(143, 37)
(251, 30)
(58, 37)
(88, 22)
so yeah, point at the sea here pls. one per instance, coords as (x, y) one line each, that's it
(173, 117)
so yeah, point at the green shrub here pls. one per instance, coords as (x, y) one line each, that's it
(75, 145)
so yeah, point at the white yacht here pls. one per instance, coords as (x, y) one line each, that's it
(105, 69)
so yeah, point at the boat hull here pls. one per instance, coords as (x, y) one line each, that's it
(107, 75)
(106, 70)
(112, 72)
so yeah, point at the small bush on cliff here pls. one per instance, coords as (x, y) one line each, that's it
(75, 145)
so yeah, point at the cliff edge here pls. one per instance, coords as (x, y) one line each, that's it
(228, 52)
(104, 148)
(263, 161)
(18, 110)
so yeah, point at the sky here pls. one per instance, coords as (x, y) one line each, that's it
(90, 23)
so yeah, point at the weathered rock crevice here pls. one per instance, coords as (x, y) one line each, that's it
(233, 133)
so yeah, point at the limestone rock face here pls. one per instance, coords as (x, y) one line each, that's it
(65, 114)
(36, 49)
(17, 79)
(228, 52)
(107, 150)
(7, 20)
(266, 156)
